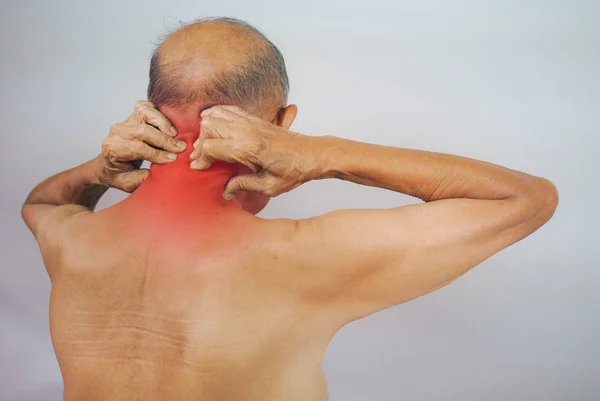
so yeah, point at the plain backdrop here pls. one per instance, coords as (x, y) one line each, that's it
(515, 83)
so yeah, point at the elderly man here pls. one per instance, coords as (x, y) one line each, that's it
(180, 292)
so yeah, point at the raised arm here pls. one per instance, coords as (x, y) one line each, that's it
(145, 135)
(79, 188)
(368, 260)
(357, 262)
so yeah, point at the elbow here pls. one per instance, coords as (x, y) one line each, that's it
(543, 197)
(25, 207)
(26, 213)
(549, 196)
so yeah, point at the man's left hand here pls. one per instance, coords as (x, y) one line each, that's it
(146, 135)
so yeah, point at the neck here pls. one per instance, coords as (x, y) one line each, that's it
(178, 174)
(177, 185)
(174, 189)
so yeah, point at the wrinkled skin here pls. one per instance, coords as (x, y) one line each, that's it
(176, 293)
(180, 292)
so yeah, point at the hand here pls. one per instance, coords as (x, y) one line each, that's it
(278, 158)
(146, 135)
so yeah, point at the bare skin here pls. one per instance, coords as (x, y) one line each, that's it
(181, 293)
(244, 308)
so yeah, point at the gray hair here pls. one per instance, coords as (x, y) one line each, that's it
(261, 80)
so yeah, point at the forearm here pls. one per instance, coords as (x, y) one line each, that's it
(429, 176)
(78, 185)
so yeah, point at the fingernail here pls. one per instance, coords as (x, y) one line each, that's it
(206, 112)
(193, 155)
(197, 142)
(173, 130)
(228, 196)
(181, 145)
(171, 156)
(195, 164)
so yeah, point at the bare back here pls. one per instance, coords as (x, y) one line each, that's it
(155, 309)
(177, 294)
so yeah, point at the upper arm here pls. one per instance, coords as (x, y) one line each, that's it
(363, 261)
(48, 223)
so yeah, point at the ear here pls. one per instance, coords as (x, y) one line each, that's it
(285, 116)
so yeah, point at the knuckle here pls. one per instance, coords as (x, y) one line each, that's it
(140, 104)
(145, 111)
(207, 147)
(207, 120)
(138, 131)
(111, 155)
(156, 154)
(135, 117)
(129, 136)
(115, 129)
(107, 145)
(168, 142)
(269, 191)
(270, 186)
(162, 124)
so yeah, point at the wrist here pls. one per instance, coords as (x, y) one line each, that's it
(95, 171)
(329, 157)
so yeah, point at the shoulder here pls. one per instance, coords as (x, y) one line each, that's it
(279, 230)
(48, 221)
(55, 230)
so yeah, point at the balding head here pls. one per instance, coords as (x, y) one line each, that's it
(218, 61)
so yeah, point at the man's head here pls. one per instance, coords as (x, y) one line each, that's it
(221, 61)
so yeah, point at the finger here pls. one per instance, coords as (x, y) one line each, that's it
(140, 103)
(143, 151)
(211, 128)
(145, 112)
(215, 149)
(130, 181)
(156, 138)
(229, 113)
(118, 149)
(127, 151)
(246, 183)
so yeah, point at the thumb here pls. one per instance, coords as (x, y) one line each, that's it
(129, 181)
(244, 182)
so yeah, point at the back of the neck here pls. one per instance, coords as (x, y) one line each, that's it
(177, 184)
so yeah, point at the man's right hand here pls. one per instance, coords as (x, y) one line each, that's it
(280, 160)
(145, 135)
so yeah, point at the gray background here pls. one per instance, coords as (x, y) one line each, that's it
(511, 82)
